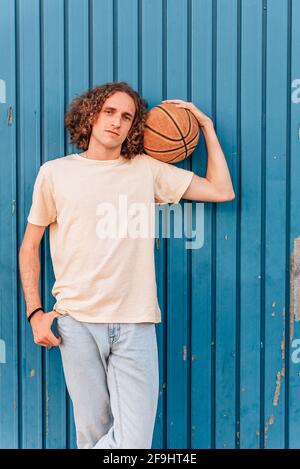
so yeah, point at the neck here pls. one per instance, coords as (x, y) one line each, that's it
(97, 151)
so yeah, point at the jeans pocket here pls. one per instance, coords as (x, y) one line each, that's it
(61, 316)
(60, 321)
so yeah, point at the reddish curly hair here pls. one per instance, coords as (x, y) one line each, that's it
(84, 110)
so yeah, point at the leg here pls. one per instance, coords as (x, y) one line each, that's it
(133, 382)
(85, 374)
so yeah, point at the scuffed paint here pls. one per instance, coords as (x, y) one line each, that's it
(10, 115)
(279, 378)
(292, 325)
(294, 286)
(32, 373)
(296, 272)
(257, 432)
(184, 352)
(280, 374)
(283, 347)
(269, 422)
(163, 387)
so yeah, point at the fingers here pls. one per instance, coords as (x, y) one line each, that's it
(179, 103)
(43, 334)
(173, 101)
(50, 341)
(55, 341)
(43, 343)
(176, 101)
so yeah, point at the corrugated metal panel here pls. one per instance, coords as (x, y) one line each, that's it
(229, 339)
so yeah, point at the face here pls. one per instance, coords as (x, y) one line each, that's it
(114, 120)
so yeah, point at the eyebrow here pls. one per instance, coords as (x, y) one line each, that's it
(114, 109)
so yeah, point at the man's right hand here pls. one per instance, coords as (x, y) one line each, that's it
(41, 328)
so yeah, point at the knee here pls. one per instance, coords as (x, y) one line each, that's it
(89, 432)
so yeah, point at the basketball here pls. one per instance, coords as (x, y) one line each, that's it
(171, 133)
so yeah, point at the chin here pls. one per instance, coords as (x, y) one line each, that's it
(111, 145)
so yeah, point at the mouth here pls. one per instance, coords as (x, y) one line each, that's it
(111, 132)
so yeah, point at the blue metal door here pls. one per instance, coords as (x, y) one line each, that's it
(229, 341)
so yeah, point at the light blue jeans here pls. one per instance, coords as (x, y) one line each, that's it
(111, 373)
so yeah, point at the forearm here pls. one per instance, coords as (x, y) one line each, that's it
(29, 263)
(217, 170)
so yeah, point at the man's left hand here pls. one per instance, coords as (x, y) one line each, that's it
(202, 118)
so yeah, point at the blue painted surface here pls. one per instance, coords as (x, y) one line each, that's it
(230, 335)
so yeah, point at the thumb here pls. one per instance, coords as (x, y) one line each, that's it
(54, 314)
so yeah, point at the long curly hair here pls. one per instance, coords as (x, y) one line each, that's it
(84, 111)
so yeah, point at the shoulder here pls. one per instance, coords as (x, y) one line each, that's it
(148, 163)
(140, 158)
(146, 160)
(56, 163)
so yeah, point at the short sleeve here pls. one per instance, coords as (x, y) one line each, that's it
(43, 208)
(170, 181)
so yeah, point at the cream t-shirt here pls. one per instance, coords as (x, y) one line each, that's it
(103, 261)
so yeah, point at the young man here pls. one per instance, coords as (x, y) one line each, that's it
(105, 287)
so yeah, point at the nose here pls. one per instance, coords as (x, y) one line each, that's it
(116, 121)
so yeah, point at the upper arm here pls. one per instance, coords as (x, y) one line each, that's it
(201, 189)
(43, 208)
(33, 235)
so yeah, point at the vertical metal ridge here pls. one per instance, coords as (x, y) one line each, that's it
(115, 40)
(164, 48)
(140, 46)
(213, 241)
(189, 254)
(91, 42)
(238, 234)
(42, 159)
(288, 222)
(18, 218)
(263, 227)
(42, 79)
(66, 69)
(66, 147)
(16, 306)
(165, 240)
(29, 427)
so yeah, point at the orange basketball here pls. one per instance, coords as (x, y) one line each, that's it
(171, 133)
